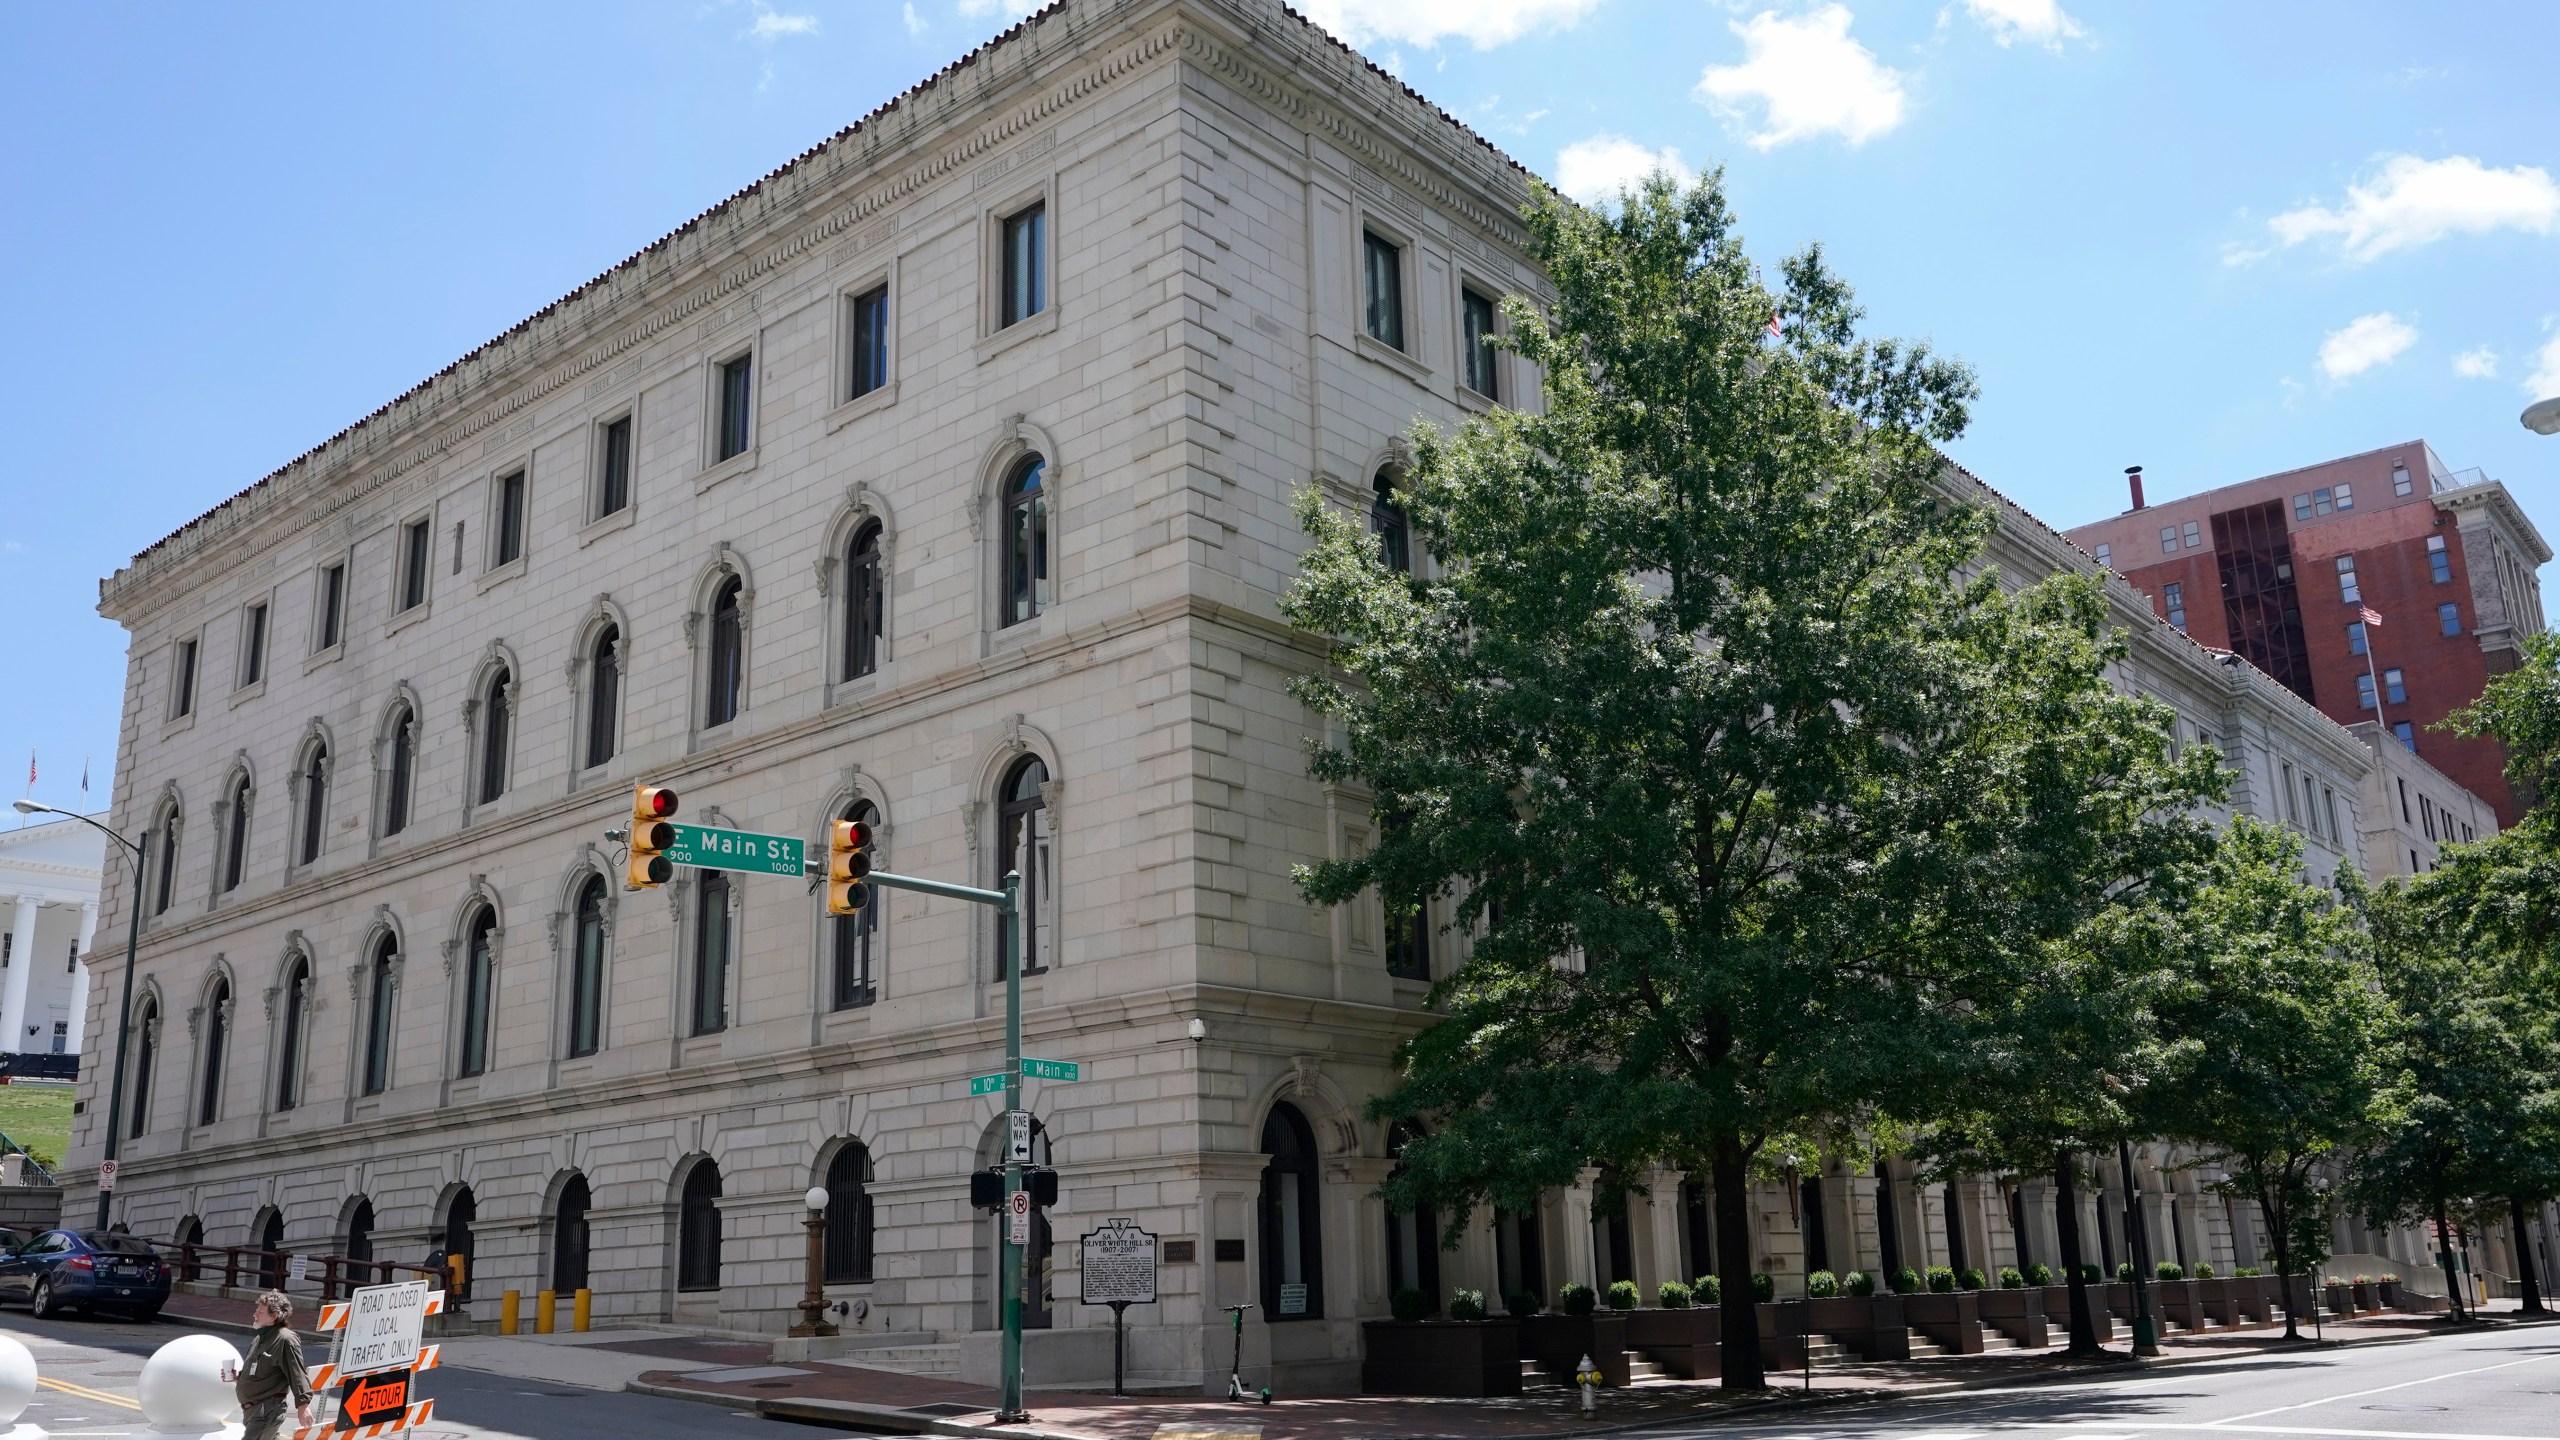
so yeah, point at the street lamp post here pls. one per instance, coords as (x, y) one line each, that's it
(138, 855)
(2146, 1331)
(2542, 417)
(813, 1303)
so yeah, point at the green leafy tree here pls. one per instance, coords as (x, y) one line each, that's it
(1712, 720)
(2272, 1025)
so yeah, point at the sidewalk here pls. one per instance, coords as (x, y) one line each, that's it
(844, 1393)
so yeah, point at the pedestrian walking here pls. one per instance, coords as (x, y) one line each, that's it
(273, 1371)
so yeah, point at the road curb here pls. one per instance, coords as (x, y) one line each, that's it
(845, 1411)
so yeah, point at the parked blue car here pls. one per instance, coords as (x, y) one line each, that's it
(92, 1270)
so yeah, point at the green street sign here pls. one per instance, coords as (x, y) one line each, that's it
(1050, 1069)
(987, 1084)
(709, 847)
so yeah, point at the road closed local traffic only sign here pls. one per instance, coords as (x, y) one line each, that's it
(385, 1326)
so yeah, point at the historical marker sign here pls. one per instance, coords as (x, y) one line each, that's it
(385, 1325)
(1119, 1265)
(710, 847)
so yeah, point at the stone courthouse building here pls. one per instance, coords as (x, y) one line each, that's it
(944, 474)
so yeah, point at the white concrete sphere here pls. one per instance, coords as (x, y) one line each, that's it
(816, 1199)
(186, 1384)
(17, 1380)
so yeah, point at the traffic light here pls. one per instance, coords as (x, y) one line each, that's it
(986, 1187)
(848, 860)
(650, 833)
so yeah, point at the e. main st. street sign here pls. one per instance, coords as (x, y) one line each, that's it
(709, 847)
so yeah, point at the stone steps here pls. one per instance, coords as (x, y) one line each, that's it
(935, 1361)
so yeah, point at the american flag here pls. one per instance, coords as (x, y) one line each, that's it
(2365, 613)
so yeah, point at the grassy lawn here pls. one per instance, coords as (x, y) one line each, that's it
(39, 1118)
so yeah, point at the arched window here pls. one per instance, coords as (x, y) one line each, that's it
(163, 886)
(853, 981)
(711, 939)
(360, 1231)
(569, 1238)
(400, 781)
(849, 1215)
(315, 801)
(698, 1229)
(1413, 1236)
(864, 594)
(217, 1035)
(727, 677)
(604, 695)
(297, 1028)
(496, 735)
(377, 1027)
(1292, 1235)
(271, 1244)
(1022, 823)
(479, 965)
(458, 1239)
(586, 972)
(1387, 522)
(190, 1235)
(146, 1058)
(1026, 541)
(235, 840)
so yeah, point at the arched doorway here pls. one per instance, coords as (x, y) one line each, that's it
(190, 1263)
(459, 1214)
(1292, 1231)
(698, 1229)
(271, 1242)
(359, 1244)
(569, 1237)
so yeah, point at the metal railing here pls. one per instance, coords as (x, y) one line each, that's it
(273, 1269)
(2440, 481)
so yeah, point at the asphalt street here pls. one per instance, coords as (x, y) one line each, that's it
(2487, 1385)
(87, 1370)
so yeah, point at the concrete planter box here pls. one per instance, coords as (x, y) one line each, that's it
(2368, 1296)
(1954, 1321)
(1874, 1327)
(2177, 1300)
(1781, 1326)
(1688, 1343)
(1558, 1342)
(2220, 1298)
(2390, 1292)
(2057, 1312)
(1470, 1358)
(2018, 1314)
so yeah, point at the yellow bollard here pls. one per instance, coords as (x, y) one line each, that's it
(507, 1312)
(578, 1307)
(543, 1301)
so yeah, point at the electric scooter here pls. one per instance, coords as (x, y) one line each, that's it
(1235, 1372)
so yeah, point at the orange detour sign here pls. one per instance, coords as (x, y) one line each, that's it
(373, 1399)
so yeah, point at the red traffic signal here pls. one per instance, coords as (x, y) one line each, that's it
(848, 861)
(649, 834)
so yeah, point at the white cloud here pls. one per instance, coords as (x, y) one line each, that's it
(2039, 22)
(915, 23)
(1481, 23)
(1593, 171)
(2406, 202)
(2480, 363)
(2544, 382)
(773, 24)
(1809, 77)
(2365, 342)
(1010, 9)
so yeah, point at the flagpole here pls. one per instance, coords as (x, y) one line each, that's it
(2373, 677)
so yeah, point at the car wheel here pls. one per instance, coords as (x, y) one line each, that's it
(40, 1304)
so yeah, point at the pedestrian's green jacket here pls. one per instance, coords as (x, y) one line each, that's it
(274, 1366)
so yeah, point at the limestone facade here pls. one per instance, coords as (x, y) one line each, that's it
(634, 540)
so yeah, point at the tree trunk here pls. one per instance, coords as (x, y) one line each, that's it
(2444, 1259)
(1738, 1308)
(2084, 1331)
(2525, 1267)
(2280, 1226)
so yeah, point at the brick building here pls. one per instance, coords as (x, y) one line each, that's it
(2281, 569)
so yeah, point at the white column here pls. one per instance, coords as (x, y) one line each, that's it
(22, 962)
(78, 1043)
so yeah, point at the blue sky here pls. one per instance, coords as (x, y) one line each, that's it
(2215, 240)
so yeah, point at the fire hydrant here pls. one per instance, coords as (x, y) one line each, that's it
(1587, 1375)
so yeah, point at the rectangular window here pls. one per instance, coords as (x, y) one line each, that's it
(333, 606)
(2168, 539)
(2302, 507)
(613, 468)
(2400, 480)
(253, 644)
(737, 391)
(2193, 536)
(2404, 801)
(2427, 816)
(711, 954)
(2174, 595)
(2439, 560)
(1026, 265)
(182, 680)
(2408, 735)
(2449, 618)
(2292, 811)
(457, 547)
(1480, 351)
(2106, 555)
(867, 342)
(1382, 286)
(510, 519)
(2356, 638)
(2364, 692)
(2346, 497)
(2319, 502)
(2348, 593)
(2329, 802)
(2392, 688)
(414, 539)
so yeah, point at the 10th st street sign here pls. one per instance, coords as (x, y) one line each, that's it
(709, 847)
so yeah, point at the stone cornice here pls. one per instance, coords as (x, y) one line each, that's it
(580, 337)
